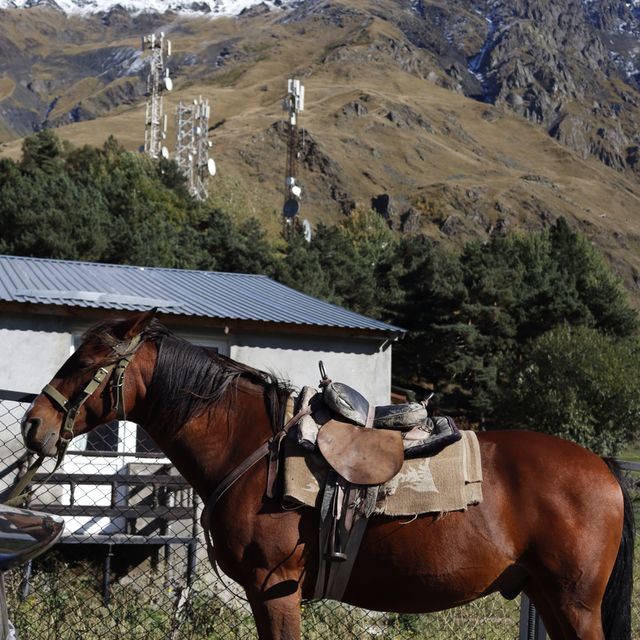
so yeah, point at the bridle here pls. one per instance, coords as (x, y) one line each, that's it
(71, 407)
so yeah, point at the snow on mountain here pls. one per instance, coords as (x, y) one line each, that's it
(213, 7)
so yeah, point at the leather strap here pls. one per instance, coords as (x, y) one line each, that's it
(232, 477)
(70, 409)
(18, 494)
(271, 447)
(118, 376)
(53, 394)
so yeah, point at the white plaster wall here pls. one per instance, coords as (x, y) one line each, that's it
(31, 351)
(32, 348)
(363, 364)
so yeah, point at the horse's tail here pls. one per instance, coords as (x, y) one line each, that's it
(616, 605)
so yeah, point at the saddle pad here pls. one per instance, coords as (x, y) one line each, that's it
(448, 481)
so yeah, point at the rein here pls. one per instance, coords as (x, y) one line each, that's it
(70, 409)
(271, 448)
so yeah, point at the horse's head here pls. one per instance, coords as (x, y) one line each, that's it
(88, 390)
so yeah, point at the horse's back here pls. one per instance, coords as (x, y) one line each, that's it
(540, 472)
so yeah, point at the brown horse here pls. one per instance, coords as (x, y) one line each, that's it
(554, 522)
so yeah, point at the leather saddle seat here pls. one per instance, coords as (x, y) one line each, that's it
(367, 445)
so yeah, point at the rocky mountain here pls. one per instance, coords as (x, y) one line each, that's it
(215, 8)
(457, 119)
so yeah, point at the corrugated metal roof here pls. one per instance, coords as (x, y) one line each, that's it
(232, 296)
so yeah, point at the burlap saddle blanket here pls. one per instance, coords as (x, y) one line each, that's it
(448, 481)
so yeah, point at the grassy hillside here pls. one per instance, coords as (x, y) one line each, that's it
(377, 120)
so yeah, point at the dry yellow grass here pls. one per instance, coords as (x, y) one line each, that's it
(7, 86)
(466, 159)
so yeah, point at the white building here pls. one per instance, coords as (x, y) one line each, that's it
(46, 305)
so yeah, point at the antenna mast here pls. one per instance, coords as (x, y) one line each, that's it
(192, 146)
(293, 105)
(158, 80)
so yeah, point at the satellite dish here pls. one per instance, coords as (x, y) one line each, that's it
(165, 153)
(291, 208)
(296, 191)
(211, 167)
(306, 230)
(168, 83)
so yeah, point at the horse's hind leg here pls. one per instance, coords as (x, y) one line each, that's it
(570, 583)
(564, 620)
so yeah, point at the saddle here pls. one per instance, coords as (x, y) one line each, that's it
(365, 446)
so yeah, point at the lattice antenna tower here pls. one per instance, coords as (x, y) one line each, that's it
(293, 104)
(184, 140)
(204, 165)
(158, 81)
(192, 146)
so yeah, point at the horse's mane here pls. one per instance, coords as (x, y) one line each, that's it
(188, 379)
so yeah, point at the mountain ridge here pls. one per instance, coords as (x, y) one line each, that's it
(213, 8)
(395, 107)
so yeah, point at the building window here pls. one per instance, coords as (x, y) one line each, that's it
(104, 438)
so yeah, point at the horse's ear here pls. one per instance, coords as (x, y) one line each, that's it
(132, 327)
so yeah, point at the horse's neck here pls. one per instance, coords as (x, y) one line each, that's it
(209, 446)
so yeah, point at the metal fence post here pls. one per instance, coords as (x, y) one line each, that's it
(531, 625)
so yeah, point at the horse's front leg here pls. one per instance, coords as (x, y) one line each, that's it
(277, 613)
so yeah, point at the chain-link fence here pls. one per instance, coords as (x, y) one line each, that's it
(132, 562)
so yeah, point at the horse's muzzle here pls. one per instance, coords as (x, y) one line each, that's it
(28, 425)
(39, 439)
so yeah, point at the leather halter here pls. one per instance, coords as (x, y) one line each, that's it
(70, 408)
